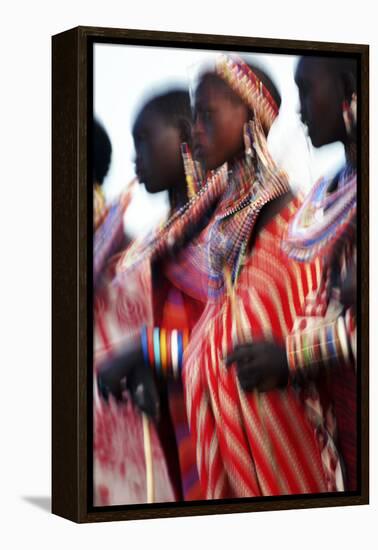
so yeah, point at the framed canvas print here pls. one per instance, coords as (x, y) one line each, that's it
(210, 274)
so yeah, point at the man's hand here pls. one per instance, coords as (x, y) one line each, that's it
(127, 371)
(261, 365)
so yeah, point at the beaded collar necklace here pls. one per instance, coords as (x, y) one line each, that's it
(233, 226)
(324, 218)
(253, 181)
(163, 240)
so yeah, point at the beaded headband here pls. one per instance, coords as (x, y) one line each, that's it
(243, 81)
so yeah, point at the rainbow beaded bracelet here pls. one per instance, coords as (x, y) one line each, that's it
(163, 350)
(324, 345)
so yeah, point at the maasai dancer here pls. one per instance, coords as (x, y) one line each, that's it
(167, 257)
(101, 157)
(247, 443)
(320, 354)
(141, 293)
(109, 234)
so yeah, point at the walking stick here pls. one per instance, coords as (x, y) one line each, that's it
(148, 459)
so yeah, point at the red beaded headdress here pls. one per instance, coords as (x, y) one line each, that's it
(249, 87)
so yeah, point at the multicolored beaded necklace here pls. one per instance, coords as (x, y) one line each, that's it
(324, 218)
(252, 183)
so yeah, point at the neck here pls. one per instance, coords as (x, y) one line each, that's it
(242, 174)
(177, 195)
(236, 160)
(351, 153)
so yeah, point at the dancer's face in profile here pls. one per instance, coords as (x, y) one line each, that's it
(219, 117)
(321, 94)
(158, 162)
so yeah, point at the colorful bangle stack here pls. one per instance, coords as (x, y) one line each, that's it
(163, 350)
(325, 345)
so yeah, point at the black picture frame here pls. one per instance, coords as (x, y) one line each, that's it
(72, 90)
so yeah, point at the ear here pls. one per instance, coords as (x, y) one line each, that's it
(185, 129)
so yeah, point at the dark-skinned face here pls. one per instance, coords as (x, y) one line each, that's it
(321, 93)
(218, 125)
(158, 162)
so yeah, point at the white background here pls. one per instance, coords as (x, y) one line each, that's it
(25, 302)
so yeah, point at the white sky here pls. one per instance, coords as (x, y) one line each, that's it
(125, 76)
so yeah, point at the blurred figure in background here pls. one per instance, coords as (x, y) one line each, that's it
(109, 235)
(101, 157)
(160, 127)
(178, 264)
(320, 354)
(323, 348)
(139, 315)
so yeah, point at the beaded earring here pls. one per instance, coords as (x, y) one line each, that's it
(248, 149)
(350, 114)
(192, 171)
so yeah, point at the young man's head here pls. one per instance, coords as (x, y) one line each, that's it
(159, 129)
(324, 84)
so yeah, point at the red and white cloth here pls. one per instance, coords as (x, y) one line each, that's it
(251, 444)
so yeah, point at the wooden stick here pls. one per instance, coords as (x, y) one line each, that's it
(148, 459)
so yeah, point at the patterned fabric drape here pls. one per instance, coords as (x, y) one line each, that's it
(251, 444)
